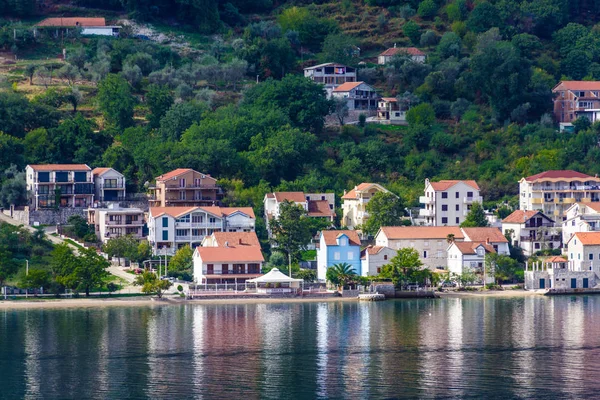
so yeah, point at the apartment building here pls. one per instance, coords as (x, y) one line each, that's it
(580, 217)
(430, 242)
(170, 228)
(59, 186)
(553, 192)
(109, 185)
(354, 203)
(331, 75)
(185, 187)
(532, 231)
(574, 99)
(317, 205)
(115, 221)
(448, 202)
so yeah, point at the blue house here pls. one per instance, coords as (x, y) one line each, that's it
(336, 247)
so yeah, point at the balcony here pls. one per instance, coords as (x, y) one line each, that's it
(426, 213)
(199, 225)
(139, 222)
(549, 238)
(426, 200)
(193, 186)
(537, 200)
(469, 200)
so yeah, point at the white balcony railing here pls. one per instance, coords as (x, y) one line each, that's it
(425, 200)
(469, 200)
(426, 213)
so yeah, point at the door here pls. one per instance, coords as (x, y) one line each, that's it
(585, 283)
(542, 284)
(573, 283)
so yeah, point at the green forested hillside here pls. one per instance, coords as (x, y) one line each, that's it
(480, 104)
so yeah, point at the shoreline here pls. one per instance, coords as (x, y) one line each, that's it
(490, 293)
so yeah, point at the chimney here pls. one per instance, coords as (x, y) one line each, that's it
(487, 240)
(226, 244)
(240, 241)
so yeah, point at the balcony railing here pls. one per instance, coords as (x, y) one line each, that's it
(549, 238)
(192, 186)
(426, 200)
(426, 213)
(472, 199)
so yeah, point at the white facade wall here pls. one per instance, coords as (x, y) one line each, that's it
(372, 263)
(432, 252)
(448, 207)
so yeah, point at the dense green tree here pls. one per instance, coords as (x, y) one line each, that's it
(11, 151)
(427, 9)
(576, 64)
(341, 48)
(181, 263)
(412, 30)
(422, 114)
(180, 117)
(125, 246)
(475, 217)
(115, 101)
(501, 267)
(159, 100)
(385, 209)
(90, 270)
(403, 268)
(483, 17)
(151, 284)
(290, 230)
(13, 190)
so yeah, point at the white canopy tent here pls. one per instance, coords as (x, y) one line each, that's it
(275, 281)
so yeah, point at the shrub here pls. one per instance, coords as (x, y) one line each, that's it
(427, 9)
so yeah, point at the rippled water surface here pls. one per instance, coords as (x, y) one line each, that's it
(447, 348)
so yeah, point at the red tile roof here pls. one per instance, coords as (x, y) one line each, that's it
(236, 239)
(422, 232)
(577, 85)
(172, 211)
(520, 216)
(593, 206)
(484, 233)
(555, 259)
(295, 197)
(558, 174)
(100, 171)
(588, 238)
(447, 184)
(390, 99)
(348, 86)
(470, 247)
(72, 22)
(351, 195)
(411, 51)
(319, 208)
(331, 237)
(218, 211)
(230, 254)
(227, 211)
(173, 174)
(60, 167)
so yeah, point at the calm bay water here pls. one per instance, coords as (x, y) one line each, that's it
(447, 348)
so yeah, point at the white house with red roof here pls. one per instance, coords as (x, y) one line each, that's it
(354, 203)
(412, 52)
(373, 258)
(448, 202)
(338, 247)
(109, 184)
(330, 75)
(59, 186)
(170, 228)
(316, 205)
(359, 95)
(553, 192)
(470, 257)
(532, 231)
(389, 111)
(488, 235)
(85, 25)
(230, 263)
(581, 217)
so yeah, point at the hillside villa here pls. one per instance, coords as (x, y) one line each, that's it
(354, 203)
(412, 52)
(448, 202)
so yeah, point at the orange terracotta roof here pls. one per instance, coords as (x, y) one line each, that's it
(60, 167)
(471, 247)
(351, 194)
(411, 51)
(72, 22)
(588, 238)
(295, 197)
(230, 254)
(270, 196)
(578, 85)
(447, 184)
(331, 237)
(218, 211)
(236, 239)
(319, 208)
(100, 171)
(484, 233)
(559, 174)
(422, 232)
(372, 250)
(520, 216)
(172, 174)
(555, 259)
(390, 99)
(348, 86)
(593, 206)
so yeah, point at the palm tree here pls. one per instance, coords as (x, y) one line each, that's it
(340, 274)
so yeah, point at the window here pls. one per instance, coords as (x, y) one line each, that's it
(182, 195)
(378, 270)
(469, 194)
(579, 256)
(537, 246)
(225, 269)
(165, 222)
(181, 232)
(444, 195)
(343, 242)
(165, 235)
(457, 207)
(61, 176)
(212, 220)
(185, 219)
(43, 176)
(80, 176)
(196, 219)
(424, 253)
(457, 220)
(385, 256)
(350, 255)
(444, 207)
(336, 255)
(457, 194)
(591, 256)
(182, 182)
(322, 197)
(444, 220)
